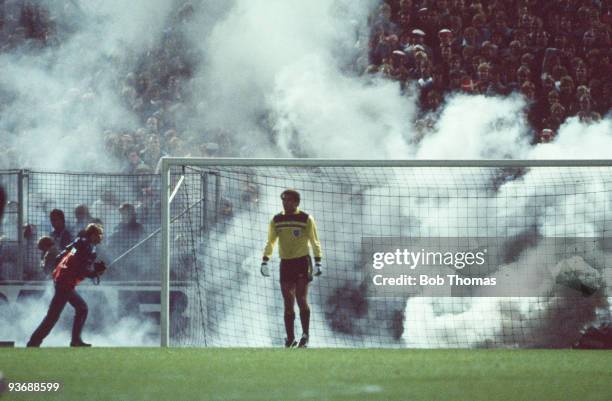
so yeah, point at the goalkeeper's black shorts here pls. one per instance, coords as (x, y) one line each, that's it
(292, 270)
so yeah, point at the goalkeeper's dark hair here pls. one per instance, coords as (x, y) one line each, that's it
(292, 193)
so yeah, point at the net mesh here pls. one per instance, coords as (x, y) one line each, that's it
(9, 228)
(219, 225)
(101, 197)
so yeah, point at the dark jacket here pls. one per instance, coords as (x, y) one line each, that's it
(74, 262)
(61, 238)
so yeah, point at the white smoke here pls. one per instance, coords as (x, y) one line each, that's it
(277, 75)
(62, 98)
(19, 320)
(477, 127)
(577, 141)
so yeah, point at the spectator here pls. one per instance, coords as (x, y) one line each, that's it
(152, 153)
(433, 101)
(546, 135)
(555, 117)
(136, 165)
(48, 254)
(585, 114)
(547, 84)
(581, 74)
(106, 208)
(553, 97)
(129, 229)
(567, 96)
(483, 76)
(528, 91)
(127, 234)
(60, 234)
(82, 217)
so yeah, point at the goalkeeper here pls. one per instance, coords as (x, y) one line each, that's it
(294, 229)
(73, 266)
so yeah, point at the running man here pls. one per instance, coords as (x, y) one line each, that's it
(73, 267)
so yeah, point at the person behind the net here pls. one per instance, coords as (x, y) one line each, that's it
(60, 234)
(73, 266)
(294, 230)
(49, 253)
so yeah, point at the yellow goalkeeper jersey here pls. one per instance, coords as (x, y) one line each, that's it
(293, 232)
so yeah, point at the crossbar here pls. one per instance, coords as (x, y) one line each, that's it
(301, 162)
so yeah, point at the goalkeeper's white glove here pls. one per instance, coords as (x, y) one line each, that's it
(265, 270)
(318, 270)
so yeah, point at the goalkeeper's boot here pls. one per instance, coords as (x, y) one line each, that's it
(290, 343)
(303, 341)
(79, 343)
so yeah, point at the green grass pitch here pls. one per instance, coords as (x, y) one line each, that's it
(311, 374)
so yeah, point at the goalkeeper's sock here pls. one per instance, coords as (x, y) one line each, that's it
(289, 320)
(305, 320)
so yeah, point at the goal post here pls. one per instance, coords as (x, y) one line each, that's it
(510, 205)
(165, 253)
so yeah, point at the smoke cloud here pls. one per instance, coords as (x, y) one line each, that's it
(577, 141)
(64, 96)
(104, 327)
(277, 77)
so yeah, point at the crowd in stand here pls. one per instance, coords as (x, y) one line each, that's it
(155, 90)
(555, 53)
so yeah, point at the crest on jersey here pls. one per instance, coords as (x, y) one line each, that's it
(297, 232)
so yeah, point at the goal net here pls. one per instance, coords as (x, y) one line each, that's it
(544, 224)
